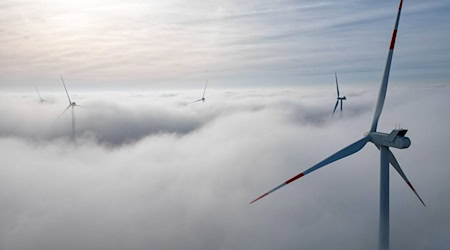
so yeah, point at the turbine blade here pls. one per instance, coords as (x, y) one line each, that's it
(195, 101)
(70, 102)
(335, 107)
(385, 80)
(59, 116)
(204, 91)
(337, 87)
(40, 98)
(397, 167)
(351, 149)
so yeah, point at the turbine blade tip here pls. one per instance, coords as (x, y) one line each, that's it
(260, 197)
(415, 192)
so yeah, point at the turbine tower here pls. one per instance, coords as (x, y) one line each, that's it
(339, 99)
(204, 91)
(383, 142)
(72, 106)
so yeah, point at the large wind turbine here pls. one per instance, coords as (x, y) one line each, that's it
(71, 105)
(339, 98)
(383, 142)
(203, 96)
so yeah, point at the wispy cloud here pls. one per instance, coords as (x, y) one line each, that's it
(231, 42)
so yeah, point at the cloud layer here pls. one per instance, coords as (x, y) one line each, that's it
(116, 118)
(183, 175)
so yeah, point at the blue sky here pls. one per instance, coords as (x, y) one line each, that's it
(177, 44)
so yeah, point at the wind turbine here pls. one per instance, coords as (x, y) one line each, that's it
(339, 99)
(71, 105)
(203, 97)
(40, 98)
(383, 142)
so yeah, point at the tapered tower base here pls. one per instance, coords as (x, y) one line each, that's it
(383, 232)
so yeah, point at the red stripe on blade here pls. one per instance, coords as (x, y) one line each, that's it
(409, 184)
(260, 197)
(394, 35)
(412, 188)
(401, 3)
(294, 178)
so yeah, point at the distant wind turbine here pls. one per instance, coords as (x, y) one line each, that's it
(383, 142)
(203, 97)
(339, 98)
(40, 98)
(71, 105)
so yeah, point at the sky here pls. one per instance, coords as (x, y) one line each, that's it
(173, 44)
(149, 168)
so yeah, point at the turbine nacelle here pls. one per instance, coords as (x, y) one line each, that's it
(73, 104)
(342, 98)
(396, 139)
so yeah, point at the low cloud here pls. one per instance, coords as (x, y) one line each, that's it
(116, 119)
(184, 174)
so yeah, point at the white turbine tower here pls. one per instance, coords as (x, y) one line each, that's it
(71, 105)
(383, 142)
(339, 98)
(203, 96)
